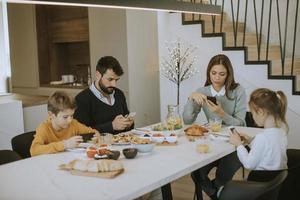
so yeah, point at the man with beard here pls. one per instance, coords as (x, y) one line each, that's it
(102, 105)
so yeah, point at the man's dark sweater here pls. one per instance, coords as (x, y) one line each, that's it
(92, 112)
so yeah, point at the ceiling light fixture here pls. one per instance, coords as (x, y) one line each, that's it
(152, 5)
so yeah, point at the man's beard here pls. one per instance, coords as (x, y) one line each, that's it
(106, 90)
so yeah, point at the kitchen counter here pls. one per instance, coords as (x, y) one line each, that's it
(27, 100)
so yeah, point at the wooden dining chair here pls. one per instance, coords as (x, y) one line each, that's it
(22, 143)
(253, 190)
(7, 156)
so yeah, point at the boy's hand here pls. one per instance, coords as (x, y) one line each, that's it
(72, 142)
(96, 137)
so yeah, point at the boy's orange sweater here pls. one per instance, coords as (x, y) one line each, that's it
(47, 140)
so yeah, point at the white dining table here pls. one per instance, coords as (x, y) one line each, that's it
(39, 177)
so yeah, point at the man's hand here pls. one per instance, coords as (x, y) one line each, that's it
(120, 123)
(72, 142)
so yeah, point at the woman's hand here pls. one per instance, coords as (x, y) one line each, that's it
(215, 108)
(235, 139)
(198, 98)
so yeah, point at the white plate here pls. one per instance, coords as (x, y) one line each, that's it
(84, 145)
(218, 137)
(220, 134)
(168, 133)
(140, 131)
(122, 144)
(77, 150)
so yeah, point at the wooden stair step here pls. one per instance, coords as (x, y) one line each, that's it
(277, 69)
(274, 52)
(298, 82)
(227, 27)
(250, 39)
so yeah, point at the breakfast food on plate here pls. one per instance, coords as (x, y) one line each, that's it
(195, 130)
(123, 138)
(91, 151)
(95, 166)
(202, 148)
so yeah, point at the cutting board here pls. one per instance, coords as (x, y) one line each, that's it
(111, 174)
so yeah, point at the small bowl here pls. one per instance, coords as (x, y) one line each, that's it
(144, 148)
(113, 155)
(171, 139)
(130, 153)
(158, 139)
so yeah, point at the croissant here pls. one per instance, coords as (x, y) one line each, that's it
(195, 130)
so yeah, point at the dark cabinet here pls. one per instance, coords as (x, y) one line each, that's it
(63, 45)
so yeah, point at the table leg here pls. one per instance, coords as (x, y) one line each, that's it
(167, 192)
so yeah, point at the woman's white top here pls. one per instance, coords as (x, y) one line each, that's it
(268, 151)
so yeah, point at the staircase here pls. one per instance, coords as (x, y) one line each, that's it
(256, 46)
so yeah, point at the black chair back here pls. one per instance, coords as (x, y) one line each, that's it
(251, 190)
(291, 186)
(22, 143)
(7, 156)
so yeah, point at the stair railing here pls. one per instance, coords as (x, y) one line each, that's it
(260, 24)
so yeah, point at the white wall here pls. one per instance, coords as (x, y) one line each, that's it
(4, 46)
(143, 66)
(107, 31)
(251, 76)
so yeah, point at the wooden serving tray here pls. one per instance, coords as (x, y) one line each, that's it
(111, 174)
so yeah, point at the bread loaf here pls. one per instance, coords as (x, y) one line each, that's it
(93, 165)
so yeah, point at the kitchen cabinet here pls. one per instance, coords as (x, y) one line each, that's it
(63, 45)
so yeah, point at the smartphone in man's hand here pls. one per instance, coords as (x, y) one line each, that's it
(212, 99)
(130, 115)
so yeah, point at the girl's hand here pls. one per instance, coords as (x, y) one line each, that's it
(72, 142)
(197, 98)
(215, 108)
(246, 138)
(235, 139)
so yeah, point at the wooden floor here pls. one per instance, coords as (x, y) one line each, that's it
(183, 188)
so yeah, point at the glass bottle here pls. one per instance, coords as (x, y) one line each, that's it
(173, 119)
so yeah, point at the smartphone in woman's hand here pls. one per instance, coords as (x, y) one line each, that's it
(212, 99)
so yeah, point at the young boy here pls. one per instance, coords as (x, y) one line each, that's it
(60, 131)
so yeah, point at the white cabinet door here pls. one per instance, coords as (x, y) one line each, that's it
(11, 121)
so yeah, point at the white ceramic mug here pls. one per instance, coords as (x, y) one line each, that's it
(72, 78)
(65, 78)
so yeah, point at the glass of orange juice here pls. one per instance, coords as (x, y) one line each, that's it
(215, 124)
